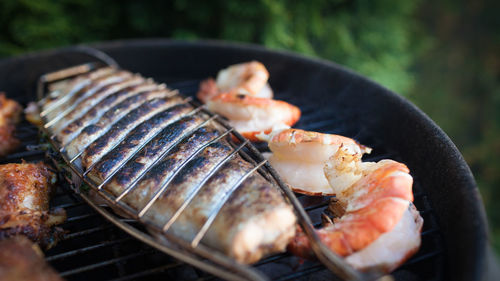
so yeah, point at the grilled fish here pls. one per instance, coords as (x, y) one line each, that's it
(177, 168)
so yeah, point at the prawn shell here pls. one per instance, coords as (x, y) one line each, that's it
(244, 78)
(311, 193)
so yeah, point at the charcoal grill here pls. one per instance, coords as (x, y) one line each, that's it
(333, 100)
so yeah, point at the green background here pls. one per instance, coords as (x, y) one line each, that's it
(442, 55)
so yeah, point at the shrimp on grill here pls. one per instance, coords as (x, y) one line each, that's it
(242, 95)
(299, 156)
(10, 115)
(254, 115)
(375, 225)
(248, 78)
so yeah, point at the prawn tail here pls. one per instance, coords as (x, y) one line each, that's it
(208, 90)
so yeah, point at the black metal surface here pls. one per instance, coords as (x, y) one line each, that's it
(332, 100)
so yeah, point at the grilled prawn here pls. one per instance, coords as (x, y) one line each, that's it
(248, 78)
(299, 157)
(242, 95)
(153, 151)
(253, 115)
(375, 224)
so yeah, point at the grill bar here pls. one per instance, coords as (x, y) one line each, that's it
(104, 263)
(148, 272)
(87, 249)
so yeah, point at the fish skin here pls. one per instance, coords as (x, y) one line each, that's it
(89, 102)
(120, 129)
(156, 124)
(93, 115)
(74, 85)
(88, 90)
(113, 115)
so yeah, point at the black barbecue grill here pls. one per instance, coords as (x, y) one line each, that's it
(332, 100)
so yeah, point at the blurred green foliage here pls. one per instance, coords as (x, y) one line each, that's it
(374, 37)
(443, 55)
(459, 87)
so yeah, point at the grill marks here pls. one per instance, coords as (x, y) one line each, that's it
(86, 104)
(91, 116)
(113, 115)
(85, 91)
(141, 134)
(162, 171)
(196, 213)
(121, 128)
(63, 91)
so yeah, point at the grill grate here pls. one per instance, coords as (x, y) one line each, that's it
(93, 248)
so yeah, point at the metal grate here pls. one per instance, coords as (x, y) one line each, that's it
(93, 248)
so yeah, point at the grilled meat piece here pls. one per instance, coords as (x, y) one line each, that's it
(21, 259)
(176, 168)
(10, 115)
(24, 203)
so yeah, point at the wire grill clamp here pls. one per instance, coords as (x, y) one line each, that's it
(194, 252)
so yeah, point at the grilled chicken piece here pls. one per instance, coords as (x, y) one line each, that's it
(24, 203)
(21, 259)
(10, 115)
(113, 115)
(167, 161)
